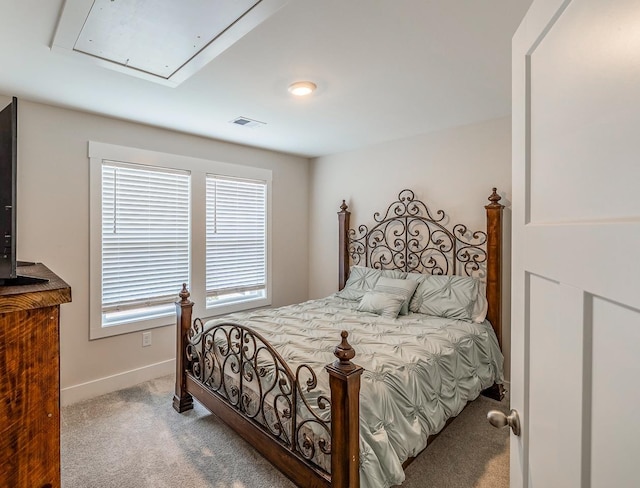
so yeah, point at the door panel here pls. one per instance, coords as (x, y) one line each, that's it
(585, 114)
(576, 227)
(616, 370)
(554, 375)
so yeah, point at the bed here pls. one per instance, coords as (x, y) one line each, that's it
(413, 296)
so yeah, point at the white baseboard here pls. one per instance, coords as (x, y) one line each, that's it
(91, 389)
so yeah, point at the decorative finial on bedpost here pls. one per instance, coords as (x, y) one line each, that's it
(184, 294)
(343, 245)
(182, 400)
(345, 353)
(494, 198)
(344, 382)
(494, 263)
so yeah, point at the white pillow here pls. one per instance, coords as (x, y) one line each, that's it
(481, 305)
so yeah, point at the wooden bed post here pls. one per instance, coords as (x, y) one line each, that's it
(182, 401)
(494, 263)
(343, 245)
(344, 381)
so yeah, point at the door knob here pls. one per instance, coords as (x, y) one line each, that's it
(499, 419)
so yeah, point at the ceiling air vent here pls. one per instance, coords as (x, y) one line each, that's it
(246, 122)
(159, 40)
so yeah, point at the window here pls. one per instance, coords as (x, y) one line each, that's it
(236, 240)
(159, 220)
(145, 240)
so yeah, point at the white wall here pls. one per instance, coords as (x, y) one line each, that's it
(53, 227)
(453, 170)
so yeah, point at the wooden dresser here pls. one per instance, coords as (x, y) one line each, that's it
(30, 381)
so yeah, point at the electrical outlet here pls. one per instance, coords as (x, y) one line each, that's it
(146, 339)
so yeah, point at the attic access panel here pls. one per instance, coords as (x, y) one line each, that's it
(166, 41)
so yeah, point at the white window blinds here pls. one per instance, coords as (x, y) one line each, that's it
(236, 265)
(145, 235)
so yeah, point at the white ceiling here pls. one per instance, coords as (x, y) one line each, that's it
(385, 69)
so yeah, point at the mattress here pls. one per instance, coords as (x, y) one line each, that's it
(420, 370)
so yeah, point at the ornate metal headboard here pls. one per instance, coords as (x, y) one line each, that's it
(409, 237)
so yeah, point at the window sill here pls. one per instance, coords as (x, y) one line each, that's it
(100, 332)
(246, 305)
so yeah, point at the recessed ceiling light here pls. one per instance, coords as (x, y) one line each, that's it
(302, 88)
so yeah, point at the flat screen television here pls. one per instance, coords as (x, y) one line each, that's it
(8, 198)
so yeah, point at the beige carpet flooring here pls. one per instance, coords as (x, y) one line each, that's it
(134, 439)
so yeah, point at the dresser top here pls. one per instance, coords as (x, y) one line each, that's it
(53, 292)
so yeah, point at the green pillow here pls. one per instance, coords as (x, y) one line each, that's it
(383, 304)
(362, 279)
(403, 288)
(451, 297)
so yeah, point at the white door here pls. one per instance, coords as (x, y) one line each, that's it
(576, 245)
